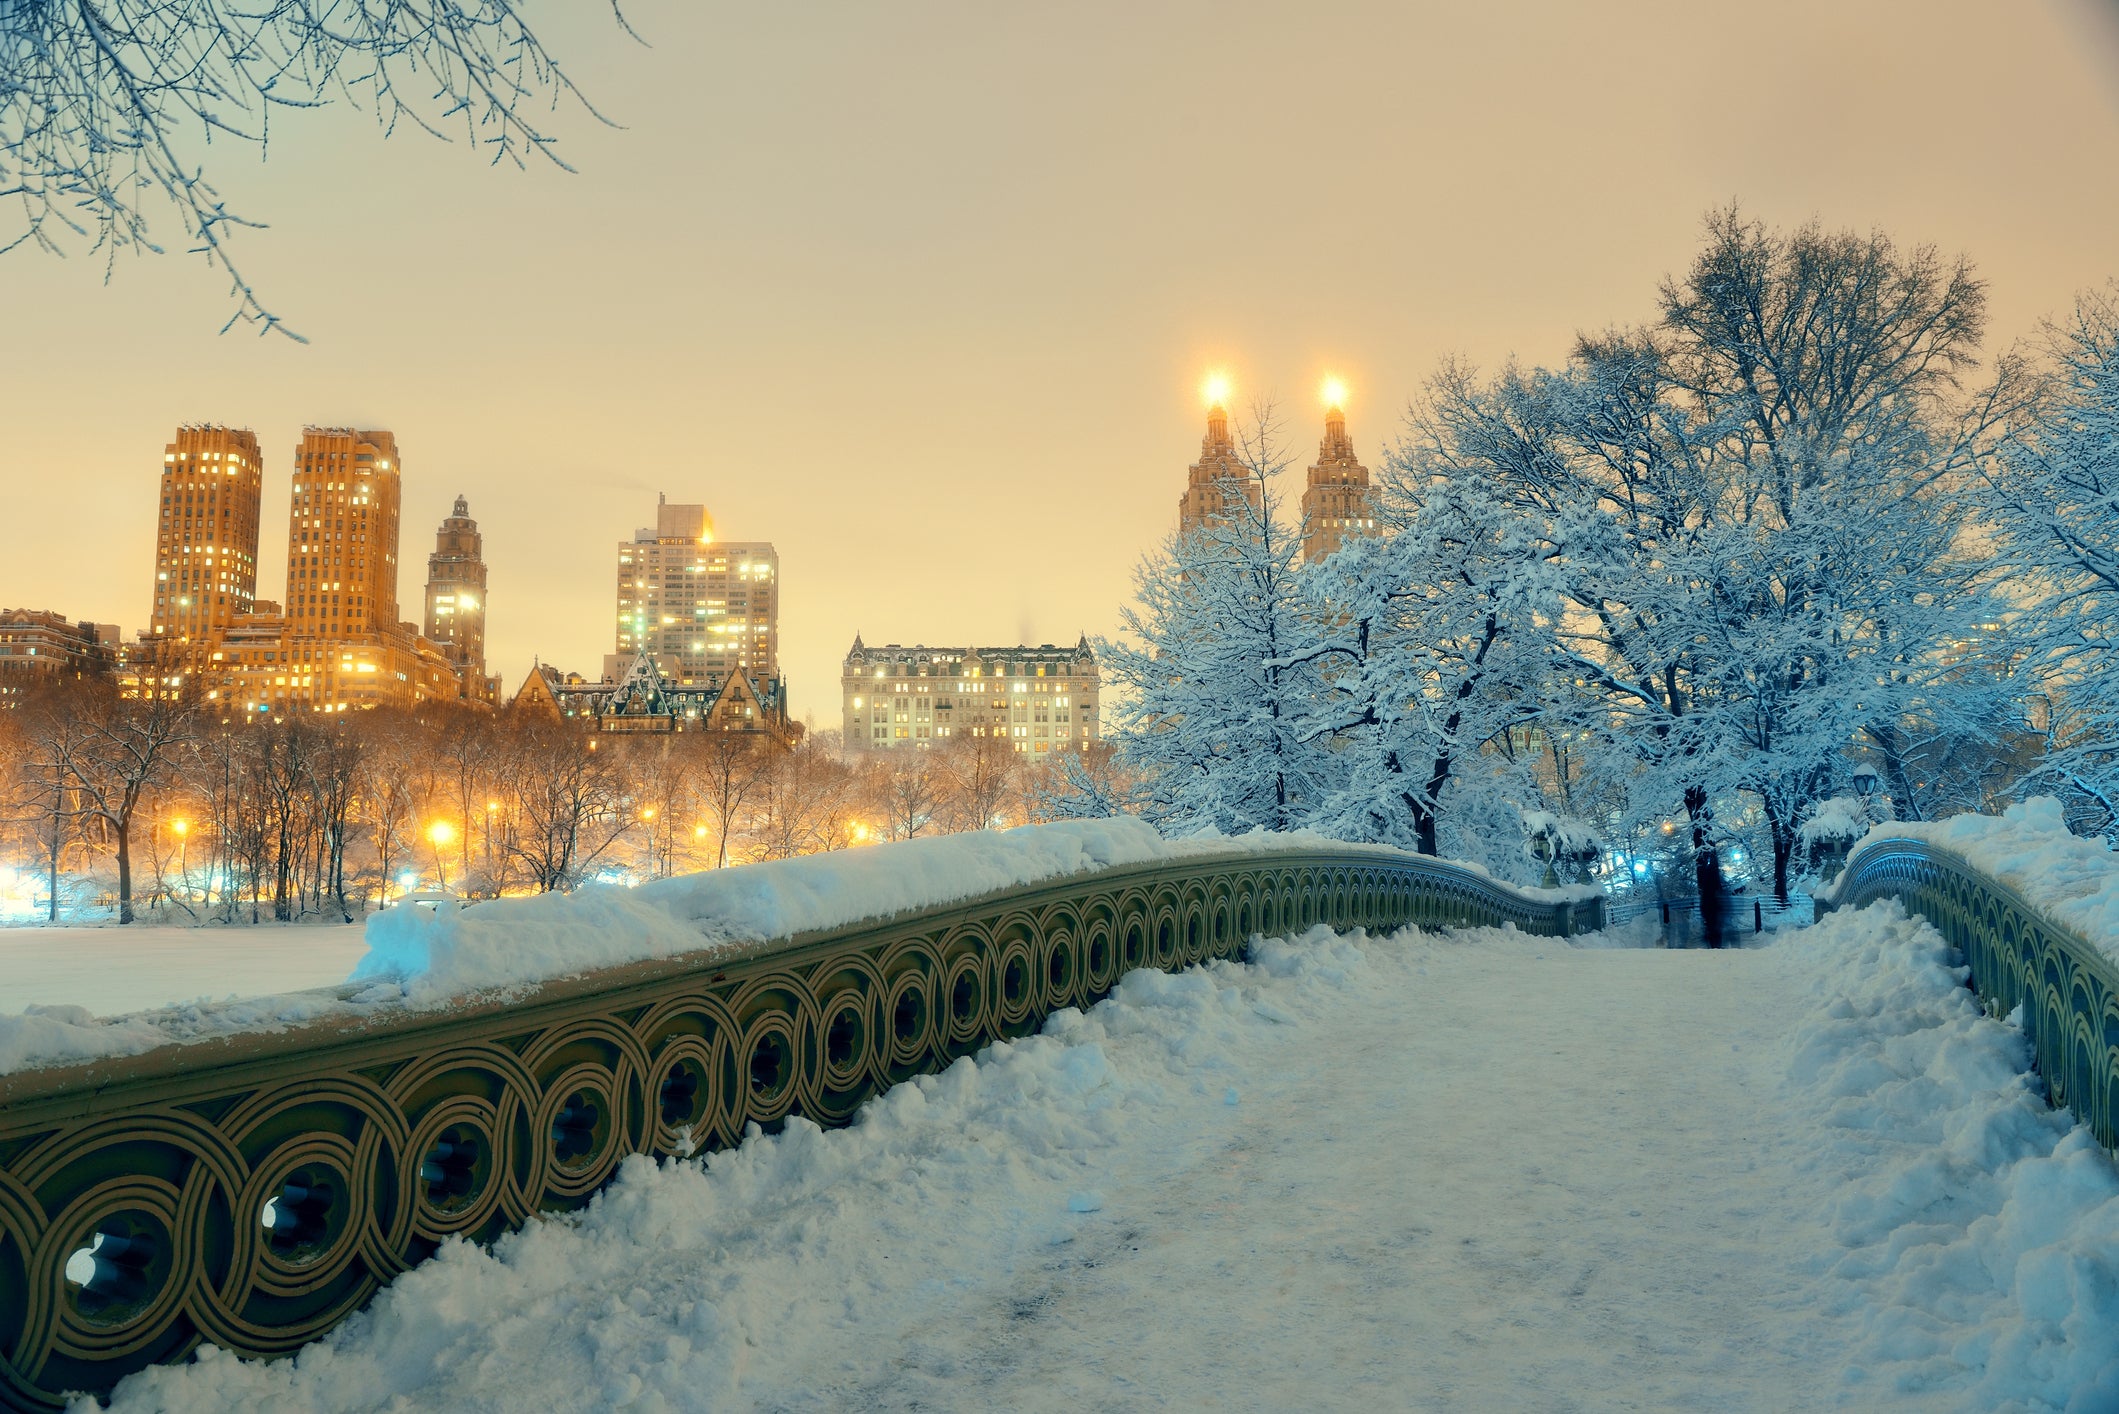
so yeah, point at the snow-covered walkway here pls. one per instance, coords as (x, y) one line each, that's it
(1467, 1172)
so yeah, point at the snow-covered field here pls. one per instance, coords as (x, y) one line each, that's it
(1474, 1171)
(112, 970)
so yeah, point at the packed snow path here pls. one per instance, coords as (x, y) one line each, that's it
(1467, 1172)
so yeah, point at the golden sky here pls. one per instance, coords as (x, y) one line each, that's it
(923, 292)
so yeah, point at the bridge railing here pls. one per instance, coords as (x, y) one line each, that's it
(254, 1190)
(2018, 956)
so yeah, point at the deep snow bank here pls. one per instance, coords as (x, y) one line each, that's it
(2072, 880)
(441, 954)
(1975, 1241)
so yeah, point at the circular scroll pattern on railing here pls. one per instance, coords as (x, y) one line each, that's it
(965, 998)
(1058, 967)
(688, 1082)
(454, 1174)
(1100, 957)
(910, 1007)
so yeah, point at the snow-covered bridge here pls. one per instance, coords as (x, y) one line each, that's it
(1452, 1169)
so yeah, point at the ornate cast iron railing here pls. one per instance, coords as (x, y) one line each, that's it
(253, 1191)
(2068, 990)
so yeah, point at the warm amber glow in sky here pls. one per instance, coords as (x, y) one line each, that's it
(1333, 394)
(925, 292)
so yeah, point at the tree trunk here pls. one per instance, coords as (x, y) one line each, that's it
(1706, 867)
(124, 833)
(51, 902)
(1783, 835)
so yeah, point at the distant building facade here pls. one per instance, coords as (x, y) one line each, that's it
(39, 648)
(1338, 504)
(206, 533)
(640, 699)
(1218, 478)
(706, 609)
(456, 600)
(1040, 700)
(336, 642)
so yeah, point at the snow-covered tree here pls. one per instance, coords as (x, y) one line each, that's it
(1209, 714)
(1747, 495)
(1430, 641)
(2055, 490)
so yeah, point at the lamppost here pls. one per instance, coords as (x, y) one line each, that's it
(1865, 783)
(439, 834)
(1543, 849)
(183, 829)
(492, 808)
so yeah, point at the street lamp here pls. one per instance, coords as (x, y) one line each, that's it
(183, 829)
(439, 834)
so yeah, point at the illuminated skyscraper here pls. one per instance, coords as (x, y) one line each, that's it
(206, 536)
(702, 607)
(342, 534)
(456, 597)
(1338, 504)
(1219, 476)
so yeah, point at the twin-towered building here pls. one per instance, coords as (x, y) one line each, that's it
(336, 641)
(1337, 503)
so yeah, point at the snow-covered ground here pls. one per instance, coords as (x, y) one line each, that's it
(112, 970)
(1474, 1171)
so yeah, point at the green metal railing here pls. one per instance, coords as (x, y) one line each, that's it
(2069, 991)
(253, 1191)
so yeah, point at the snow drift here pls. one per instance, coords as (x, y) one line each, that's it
(2071, 880)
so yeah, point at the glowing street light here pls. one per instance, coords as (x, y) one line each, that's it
(183, 829)
(439, 834)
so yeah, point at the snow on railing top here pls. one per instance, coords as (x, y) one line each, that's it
(423, 958)
(2071, 880)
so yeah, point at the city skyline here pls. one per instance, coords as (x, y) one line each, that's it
(1003, 352)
